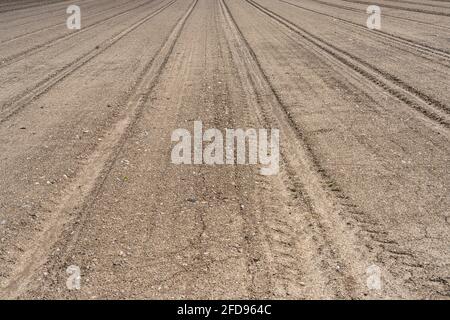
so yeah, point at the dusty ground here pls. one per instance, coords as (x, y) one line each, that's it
(85, 140)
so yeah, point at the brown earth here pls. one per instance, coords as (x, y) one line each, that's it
(86, 119)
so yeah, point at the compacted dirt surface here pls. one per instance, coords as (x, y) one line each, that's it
(87, 181)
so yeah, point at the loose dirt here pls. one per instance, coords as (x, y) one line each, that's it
(86, 119)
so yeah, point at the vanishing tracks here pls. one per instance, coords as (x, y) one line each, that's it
(24, 54)
(416, 46)
(300, 164)
(423, 4)
(335, 5)
(428, 106)
(305, 177)
(38, 4)
(436, 13)
(92, 177)
(27, 34)
(22, 100)
(40, 13)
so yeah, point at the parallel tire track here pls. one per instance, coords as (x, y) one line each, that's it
(40, 13)
(93, 176)
(299, 164)
(384, 35)
(436, 13)
(58, 24)
(428, 106)
(327, 202)
(335, 5)
(342, 202)
(42, 46)
(39, 4)
(21, 101)
(422, 4)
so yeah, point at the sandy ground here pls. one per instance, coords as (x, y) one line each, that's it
(86, 119)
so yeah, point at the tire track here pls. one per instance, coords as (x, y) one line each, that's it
(422, 4)
(330, 207)
(42, 13)
(258, 258)
(314, 183)
(252, 243)
(278, 236)
(303, 173)
(271, 233)
(384, 14)
(58, 24)
(426, 49)
(19, 102)
(417, 100)
(93, 176)
(24, 54)
(370, 227)
(436, 13)
(34, 5)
